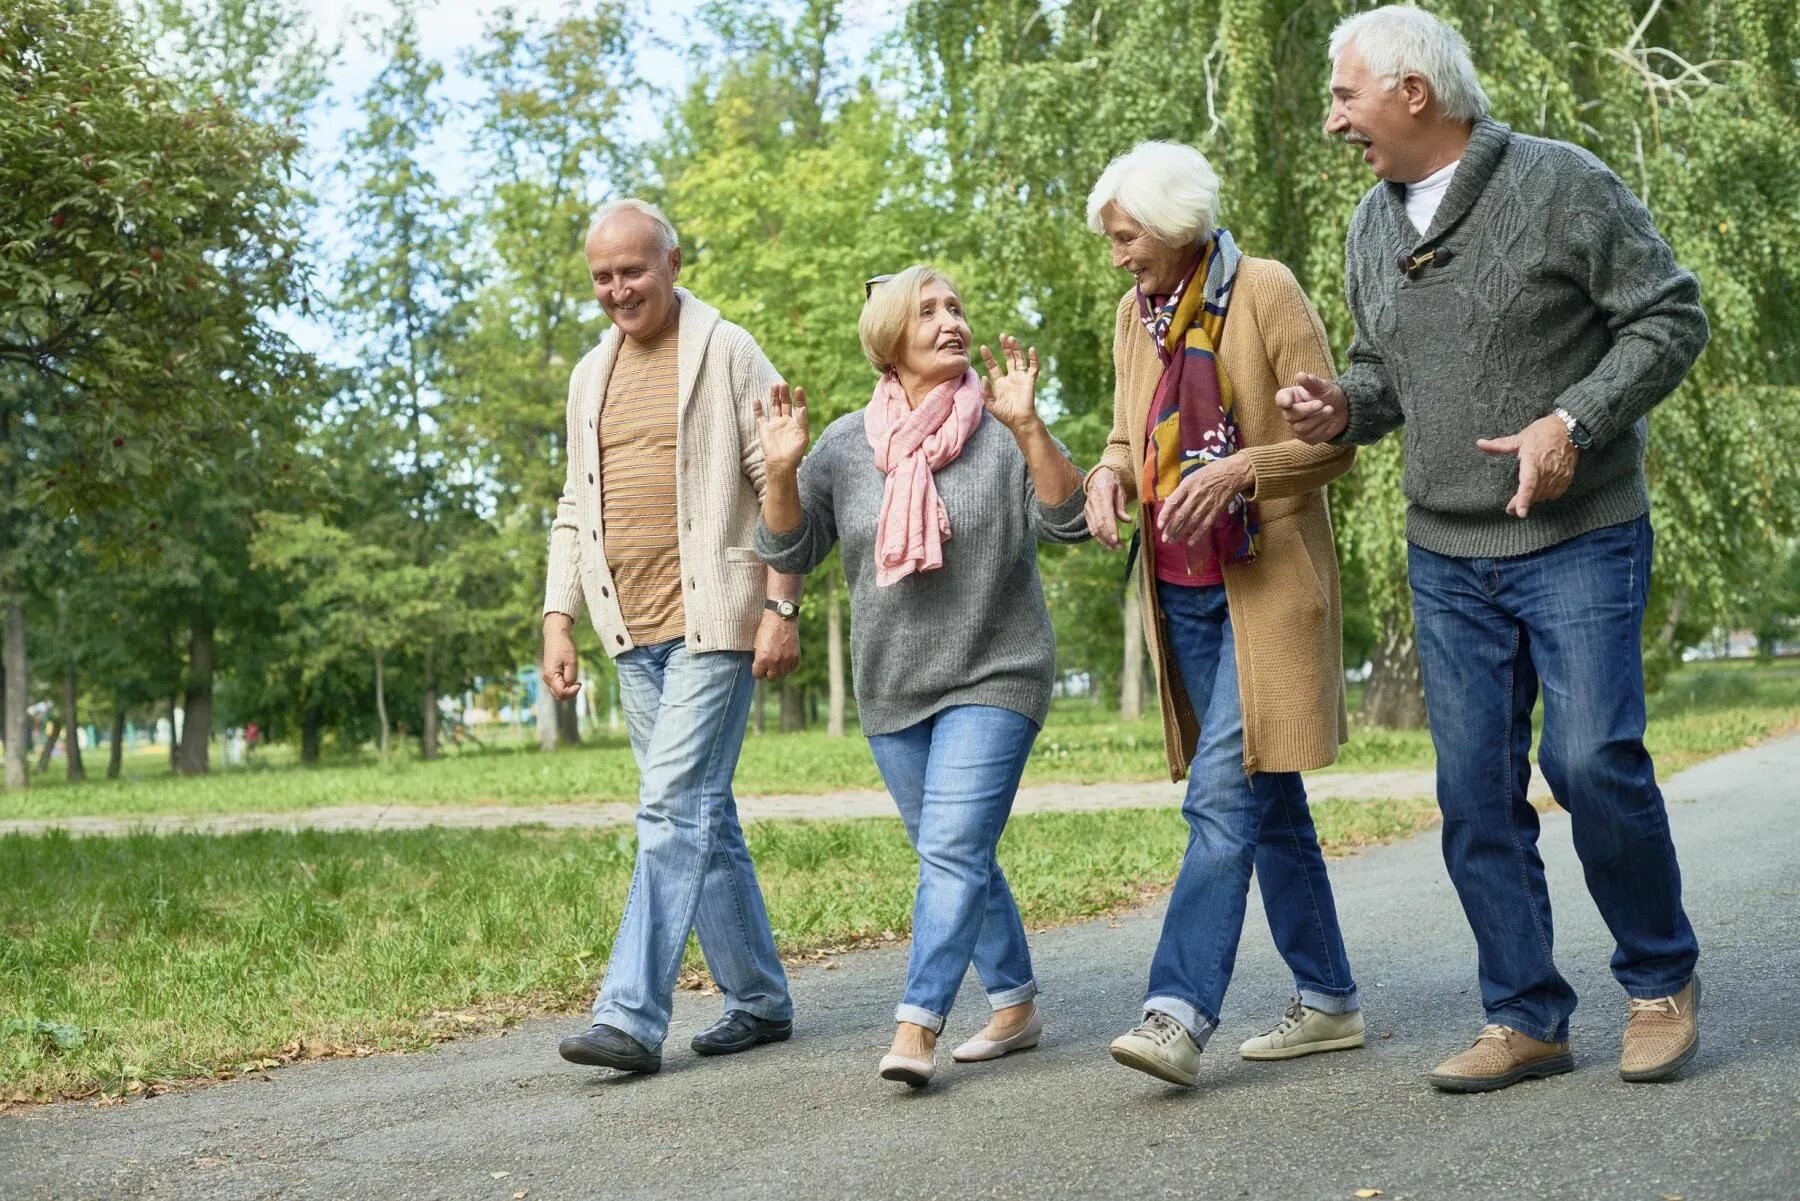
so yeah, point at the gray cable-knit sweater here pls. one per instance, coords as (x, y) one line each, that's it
(975, 632)
(1557, 291)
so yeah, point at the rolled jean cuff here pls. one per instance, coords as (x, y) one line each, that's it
(1199, 1027)
(1332, 1003)
(1657, 991)
(1013, 996)
(933, 1022)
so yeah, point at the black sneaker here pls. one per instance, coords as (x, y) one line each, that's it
(602, 1046)
(739, 1031)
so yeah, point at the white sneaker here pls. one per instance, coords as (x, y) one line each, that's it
(1162, 1047)
(1306, 1031)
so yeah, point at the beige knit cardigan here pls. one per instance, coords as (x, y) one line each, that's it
(1286, 615)
(720, 371)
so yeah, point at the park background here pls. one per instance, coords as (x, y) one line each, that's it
(291, 294)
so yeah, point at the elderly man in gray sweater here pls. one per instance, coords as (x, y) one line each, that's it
(1518, 315)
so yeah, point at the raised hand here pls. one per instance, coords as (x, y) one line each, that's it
(1010, 390)
(781, 426)
(1316, 409)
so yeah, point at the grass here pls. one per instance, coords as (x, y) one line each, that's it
(127, 964)
(1702, 711)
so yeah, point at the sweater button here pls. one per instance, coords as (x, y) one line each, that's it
(605, 591)
(590, 477)
(596, 535)
(619, 638)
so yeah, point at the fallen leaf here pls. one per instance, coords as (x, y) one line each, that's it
(1366, 1193)
(498, 1175)
(520, 1195)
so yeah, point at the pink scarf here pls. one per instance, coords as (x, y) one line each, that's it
(910, 444)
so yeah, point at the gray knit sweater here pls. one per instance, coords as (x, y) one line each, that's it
(1558, 291)
(975, 632)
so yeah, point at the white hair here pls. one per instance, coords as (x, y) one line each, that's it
(1400, 40)
(665, 229)
(1169, 189)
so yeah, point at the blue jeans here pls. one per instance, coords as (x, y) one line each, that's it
(1490, 632)
(1235, 822)
(953, 777)
(686, 714)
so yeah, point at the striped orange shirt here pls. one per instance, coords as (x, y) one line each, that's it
(637, 487)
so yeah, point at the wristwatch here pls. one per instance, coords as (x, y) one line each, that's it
(1579, 437)
(787, 610)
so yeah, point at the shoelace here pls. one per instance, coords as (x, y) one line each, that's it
(1659, 1006)
(1290, 1021)
(1162, 1029)
(1493, 1031)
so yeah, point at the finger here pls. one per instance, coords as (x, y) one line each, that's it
(799, 404)
(1118, 505)
(1312, 384)
(1508, 445)
(1031, 362)
(987, 356)
(1015, 355)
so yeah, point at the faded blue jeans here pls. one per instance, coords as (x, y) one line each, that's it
(953, 777)
(1491, 631)
(686, 714)
(1236, 822)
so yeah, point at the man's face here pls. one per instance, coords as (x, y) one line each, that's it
(1385, 122)
(634, 277)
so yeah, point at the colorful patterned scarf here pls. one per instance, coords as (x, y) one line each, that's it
(1194, 422)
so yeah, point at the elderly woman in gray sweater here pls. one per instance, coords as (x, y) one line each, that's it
(938, 490)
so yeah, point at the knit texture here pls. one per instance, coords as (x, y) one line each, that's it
(974, 632)
(718, 488)
(1286, 614)
(1558, 292)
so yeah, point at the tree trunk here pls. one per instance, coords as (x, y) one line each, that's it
(312, 728)
(793, 709)
(18, 696)
(546, 718)
(174, 738)
(115, 750)
(1131, 662)
(428, 727)
(50, 738)
(73, 724)
(196, 704)
(568, 722)
(1395, 698)
(834, 659)
(381, 706)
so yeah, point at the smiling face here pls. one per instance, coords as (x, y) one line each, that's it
(936, 346)
(1388, 123)
(1157, 266)
(634, 277)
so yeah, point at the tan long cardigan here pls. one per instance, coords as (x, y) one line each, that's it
(1286, 615)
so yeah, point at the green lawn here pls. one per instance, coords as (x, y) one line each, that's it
(1703, 711)
(125, 962)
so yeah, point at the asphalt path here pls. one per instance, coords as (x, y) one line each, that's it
(502, 1117)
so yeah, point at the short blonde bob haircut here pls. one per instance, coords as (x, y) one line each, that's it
(888, 314)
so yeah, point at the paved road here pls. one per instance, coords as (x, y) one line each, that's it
(502, 1117)
(1040, 798)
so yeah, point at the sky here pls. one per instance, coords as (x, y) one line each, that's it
(448, 29)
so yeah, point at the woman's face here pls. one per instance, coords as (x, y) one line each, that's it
(1157, 266)
(936, 347)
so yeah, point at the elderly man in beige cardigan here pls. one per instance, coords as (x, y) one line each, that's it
(1240, 588)
(654, 534)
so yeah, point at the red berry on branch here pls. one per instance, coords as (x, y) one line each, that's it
(57, 221)
(156, 256)
(118, 441)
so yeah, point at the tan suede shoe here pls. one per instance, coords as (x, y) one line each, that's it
(1500, 1057)
(1661, 1034)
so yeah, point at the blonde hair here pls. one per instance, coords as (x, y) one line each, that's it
(891, 309)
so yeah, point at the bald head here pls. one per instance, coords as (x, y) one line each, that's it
(634, 259)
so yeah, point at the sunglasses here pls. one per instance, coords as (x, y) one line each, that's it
(869, 284)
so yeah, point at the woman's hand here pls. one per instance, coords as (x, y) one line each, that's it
(781, 426)
(1010, 391)
(1203, 496)
(1105, 507)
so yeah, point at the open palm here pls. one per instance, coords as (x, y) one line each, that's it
(781, 427)
(1010, 389)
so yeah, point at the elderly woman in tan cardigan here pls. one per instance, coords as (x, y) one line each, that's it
(1239, 584)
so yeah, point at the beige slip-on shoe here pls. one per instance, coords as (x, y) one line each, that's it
(979, 1049)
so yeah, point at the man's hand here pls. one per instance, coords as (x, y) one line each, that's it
(559, 670)
(1316, 409)
(777, 647)
(1203, 496)
(1546, 461)
(1105, 507)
